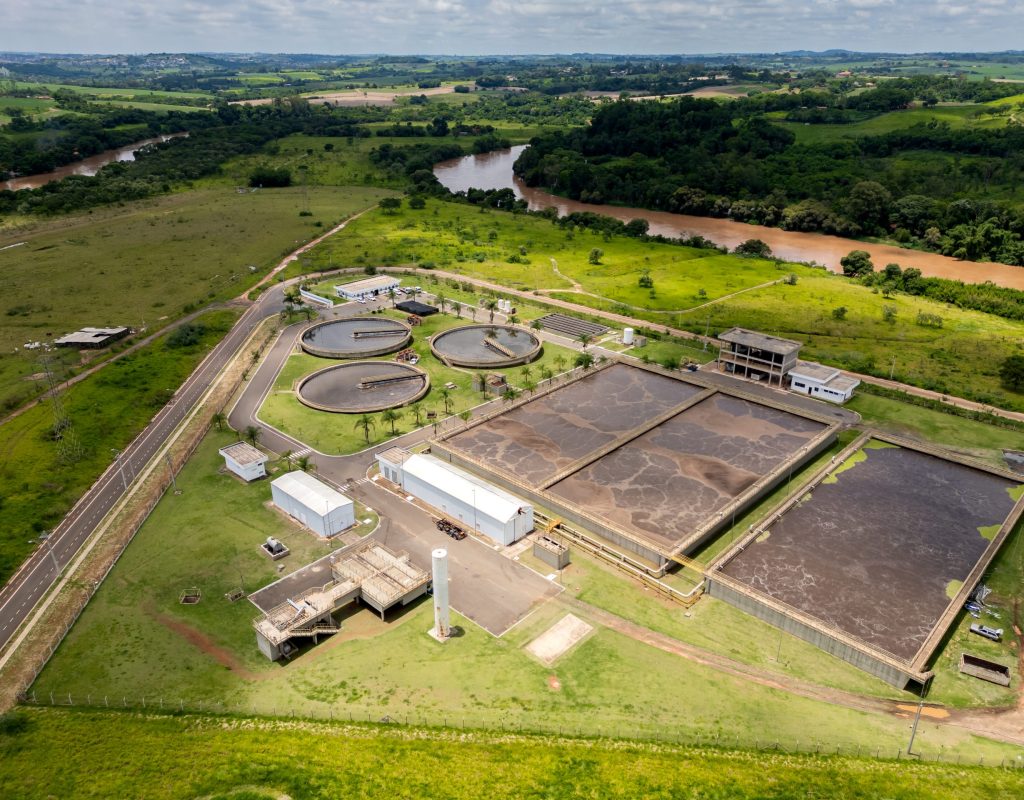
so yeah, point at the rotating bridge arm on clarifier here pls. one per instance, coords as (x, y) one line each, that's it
(372, 381)
(364, 334)
(498, 347)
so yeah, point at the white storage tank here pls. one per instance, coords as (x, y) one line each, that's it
(442, 613)
(627, 336)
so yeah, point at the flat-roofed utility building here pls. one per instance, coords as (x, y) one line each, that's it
(314, 504)
(822, 382)
(757, 356)
(459, 495)
(92, 338)
(245, 461)
(366, 288)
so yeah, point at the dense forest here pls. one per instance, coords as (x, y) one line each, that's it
(953, 191)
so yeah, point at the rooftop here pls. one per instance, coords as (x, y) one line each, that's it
(760, 341)
(91, 335)
(473, 491)
(395, 455)
(377, 282)
(829, 376)
(244, 454)
(310, 492)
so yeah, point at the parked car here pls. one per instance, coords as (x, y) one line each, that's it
(995, 634)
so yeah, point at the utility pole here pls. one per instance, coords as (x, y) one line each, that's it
(45, 537)
(913, 729)
(120, 465)
(170, 467)
(893, 370)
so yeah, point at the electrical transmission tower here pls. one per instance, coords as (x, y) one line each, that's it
(69, 448)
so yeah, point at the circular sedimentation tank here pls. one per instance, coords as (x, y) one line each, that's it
(359, 337)
(485, 346)
(363, 387)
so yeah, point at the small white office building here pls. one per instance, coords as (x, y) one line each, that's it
(822, 382)
(314, 504)
(366, 288)
(245, 461)
(459, 495)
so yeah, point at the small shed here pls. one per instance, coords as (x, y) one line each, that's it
(416, 307)
(245, 461)
(317, 506)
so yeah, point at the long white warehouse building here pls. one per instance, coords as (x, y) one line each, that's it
(459, 495)
(314, 504)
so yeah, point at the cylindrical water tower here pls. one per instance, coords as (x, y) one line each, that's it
(627, 336)
(442, 614)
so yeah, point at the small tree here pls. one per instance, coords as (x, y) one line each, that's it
(1011, 372)
(596, 255)
(584, 360)
(305, 464)
(446, 398)
(753, 247)
(465, 416)
(857, 263)
(491, 306)
(889, 314)
(253, 433)
(546, 374)
(391, 417)
(390, 205)
(417, 413)
(839, 312)
(392, 295)
(585, 339)
(671, 363)
(442, 302)
(365, 423)
(559, 362)
(536, 324)
(526, 372)
(509, 395)
(218, 420)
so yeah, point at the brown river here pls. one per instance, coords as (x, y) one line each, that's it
(494, 171)
(87, 166)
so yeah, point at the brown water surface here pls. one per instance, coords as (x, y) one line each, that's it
(87, 166)
(494, 171)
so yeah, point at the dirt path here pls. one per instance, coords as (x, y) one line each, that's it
(201, 641)
(1003, 724)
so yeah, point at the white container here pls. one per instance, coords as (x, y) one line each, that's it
(442, 613)
(627, 336)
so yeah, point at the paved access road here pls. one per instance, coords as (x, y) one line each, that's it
(39, 572)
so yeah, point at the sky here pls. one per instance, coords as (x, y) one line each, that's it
(470, 27)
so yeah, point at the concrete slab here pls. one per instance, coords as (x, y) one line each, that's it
(559, 639)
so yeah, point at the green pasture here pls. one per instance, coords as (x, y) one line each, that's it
(145, 264)
(337, 434)
(106, 410)
(30, 106)
(109, 91)
(162, 756)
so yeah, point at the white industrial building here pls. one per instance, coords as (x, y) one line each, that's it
(366, 288)
(244, 460)
(459, 495)
(314, 504)
(822, 382)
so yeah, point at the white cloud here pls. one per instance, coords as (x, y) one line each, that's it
(509, 26)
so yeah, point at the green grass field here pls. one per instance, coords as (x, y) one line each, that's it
(956, 116)
(145, 263)
(336, 433)
(160, 757)
(107, 410)
(31, 106)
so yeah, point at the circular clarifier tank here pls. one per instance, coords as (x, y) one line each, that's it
(363, 387)
(485, 346)
(359, 337)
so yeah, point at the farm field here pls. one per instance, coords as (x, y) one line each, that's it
(107, 410)
(149, 263)
(162, 756)
(337, 434)
(135, 640)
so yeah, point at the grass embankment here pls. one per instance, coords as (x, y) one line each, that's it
(337, 434)
(106, 410)
(159, 756)
(961, 358)
(148, 263)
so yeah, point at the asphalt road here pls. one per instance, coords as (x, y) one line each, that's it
(41, 570)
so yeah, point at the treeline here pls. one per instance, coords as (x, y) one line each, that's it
(213, 139)
(926, 185)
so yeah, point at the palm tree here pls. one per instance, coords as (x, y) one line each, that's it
(585, 339)
(442, 302)
(529, 386)
(509, 395)
(392, 295)
(491, 306)
(305, 464)
(391, 417)
(365, 424)
(218, 420)
(253, 433)
(308, 313)
(537, 324)
(458, 309)
(527, 373)
(584, 360)
(417, 413)
(446, 397)
(465, 415)
(513, 319)
(286, 457)
(546, 374)
(559, 362)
